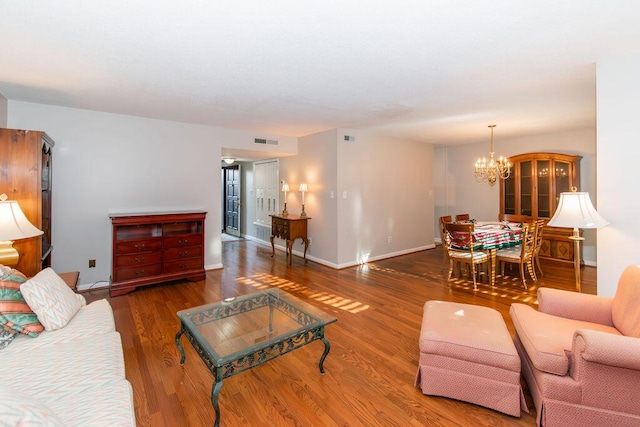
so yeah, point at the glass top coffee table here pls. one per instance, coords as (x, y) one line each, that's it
(243, 332)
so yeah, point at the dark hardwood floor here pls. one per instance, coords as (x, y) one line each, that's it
(370, 371)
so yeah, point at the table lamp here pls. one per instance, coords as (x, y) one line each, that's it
(303, 189)
(285, 189)
(576, 211)
(14, 225)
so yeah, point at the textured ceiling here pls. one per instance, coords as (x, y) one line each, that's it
(433, 71)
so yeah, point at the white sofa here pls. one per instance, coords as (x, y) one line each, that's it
(73, 376)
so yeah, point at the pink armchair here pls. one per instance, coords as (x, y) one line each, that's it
(581, 355)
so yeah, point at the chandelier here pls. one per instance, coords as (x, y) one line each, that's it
(493, 169)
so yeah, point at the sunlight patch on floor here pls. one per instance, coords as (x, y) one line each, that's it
(505, 288)
(265, 281)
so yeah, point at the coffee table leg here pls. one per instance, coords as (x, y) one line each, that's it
(215, 391)
(179, 344)
(327, 347)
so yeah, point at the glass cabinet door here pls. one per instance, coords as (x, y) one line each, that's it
(544, 188)
(510, 195)
(562, 177)
(526, 188)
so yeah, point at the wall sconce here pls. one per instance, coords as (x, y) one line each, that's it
(14, 225)
(228, 160)
(303, 189)
(285, 189)
(576, 211)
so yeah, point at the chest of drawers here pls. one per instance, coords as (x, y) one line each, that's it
(289, 228)
(155, 248)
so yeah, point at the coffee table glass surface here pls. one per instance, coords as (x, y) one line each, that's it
(239, 333)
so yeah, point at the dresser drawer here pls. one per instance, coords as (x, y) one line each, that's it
(280, 228)
(182, 241)
(173, 254)
(136, 246)
(183, 265)
(123, 274)
(143, 258)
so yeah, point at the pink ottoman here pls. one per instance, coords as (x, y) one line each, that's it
(466, 353)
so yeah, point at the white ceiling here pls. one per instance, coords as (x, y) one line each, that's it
(434, 71)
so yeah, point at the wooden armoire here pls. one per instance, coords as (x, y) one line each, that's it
(25, 176)
(533, 190)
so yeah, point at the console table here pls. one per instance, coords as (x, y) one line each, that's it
(289, 228)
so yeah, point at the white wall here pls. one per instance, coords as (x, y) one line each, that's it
(113, 163)
(618, 152)
(457, 191)
(4, 106)
(389, 187)
(316, 165)
(389, 192)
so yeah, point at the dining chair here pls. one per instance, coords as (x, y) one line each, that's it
(514, 218)
(444, 220)
(522, 254)
(536, 251)
(462, 217)
(462, 249)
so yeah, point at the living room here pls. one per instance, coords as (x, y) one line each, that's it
(110, 160)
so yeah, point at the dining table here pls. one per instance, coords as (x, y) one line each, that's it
(495, 235)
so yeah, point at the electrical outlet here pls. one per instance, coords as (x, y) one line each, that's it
(390, 239)
(92, 263)
(310, 241)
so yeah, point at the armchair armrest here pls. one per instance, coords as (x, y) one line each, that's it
(607, 349)
(577, 306)
(606, 367)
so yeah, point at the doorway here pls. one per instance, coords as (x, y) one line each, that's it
(231, 178)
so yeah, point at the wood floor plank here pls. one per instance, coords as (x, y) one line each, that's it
(370, 370)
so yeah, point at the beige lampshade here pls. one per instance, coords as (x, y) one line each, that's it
(576, 211)
(285, 187)
(14, 225)
(302, 188)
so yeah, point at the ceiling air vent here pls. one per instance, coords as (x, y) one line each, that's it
(265, 141)
(349, 138)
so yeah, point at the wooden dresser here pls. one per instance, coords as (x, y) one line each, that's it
(289, 228)
(156, 247)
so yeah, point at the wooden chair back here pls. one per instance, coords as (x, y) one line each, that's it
(459, 237)
(444, 220)
(514, 218)
(462, 217)
(522, 254)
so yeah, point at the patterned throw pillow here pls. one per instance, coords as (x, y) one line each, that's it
(6, 337)
(15, 313)
(51, 299)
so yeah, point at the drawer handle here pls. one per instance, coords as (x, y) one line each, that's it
(136, 259)
(139, 247)
(185, 253)
(137, 273)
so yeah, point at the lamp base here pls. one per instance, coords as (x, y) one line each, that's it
(303, 214)
(576, 256)
(9, 256)
(285, 212)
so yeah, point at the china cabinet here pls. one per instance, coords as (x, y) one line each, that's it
(533, 190)
(25, 161)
